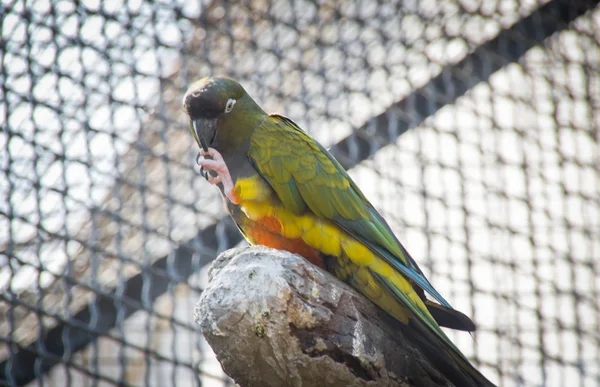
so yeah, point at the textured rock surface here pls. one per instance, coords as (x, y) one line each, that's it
(273, 319)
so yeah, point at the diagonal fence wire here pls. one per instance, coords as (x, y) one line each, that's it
(141, 290)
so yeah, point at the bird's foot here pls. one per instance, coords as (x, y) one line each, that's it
(217, 164)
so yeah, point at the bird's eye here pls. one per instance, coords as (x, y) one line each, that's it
(229, 105)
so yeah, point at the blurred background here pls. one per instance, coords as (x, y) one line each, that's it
(472, 125)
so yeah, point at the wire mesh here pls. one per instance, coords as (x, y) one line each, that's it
(106, 227)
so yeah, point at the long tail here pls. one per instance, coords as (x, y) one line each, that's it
(446, 359)
(434, 343)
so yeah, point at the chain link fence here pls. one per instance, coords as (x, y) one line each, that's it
(473, 126)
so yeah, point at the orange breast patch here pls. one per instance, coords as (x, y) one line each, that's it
(267, 232)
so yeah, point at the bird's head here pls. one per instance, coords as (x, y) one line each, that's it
(221, 113)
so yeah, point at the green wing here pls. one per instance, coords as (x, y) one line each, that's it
(305, 176)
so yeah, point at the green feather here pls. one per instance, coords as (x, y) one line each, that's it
(305, 175)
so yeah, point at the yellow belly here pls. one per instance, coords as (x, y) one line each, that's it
(268, 223)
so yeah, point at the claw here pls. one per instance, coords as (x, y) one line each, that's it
(203, 171)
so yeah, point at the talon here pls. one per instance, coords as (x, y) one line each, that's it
(203, 171)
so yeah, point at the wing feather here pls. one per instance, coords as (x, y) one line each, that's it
(305, 176)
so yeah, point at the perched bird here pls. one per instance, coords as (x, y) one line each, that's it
(284, 190)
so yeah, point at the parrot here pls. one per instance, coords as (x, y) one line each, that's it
(284, 190)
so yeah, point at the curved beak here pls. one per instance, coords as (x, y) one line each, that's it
(204, 131)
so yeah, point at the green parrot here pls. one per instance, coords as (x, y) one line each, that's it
(285, 191)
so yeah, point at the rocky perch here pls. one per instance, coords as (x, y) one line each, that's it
(273, 319)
